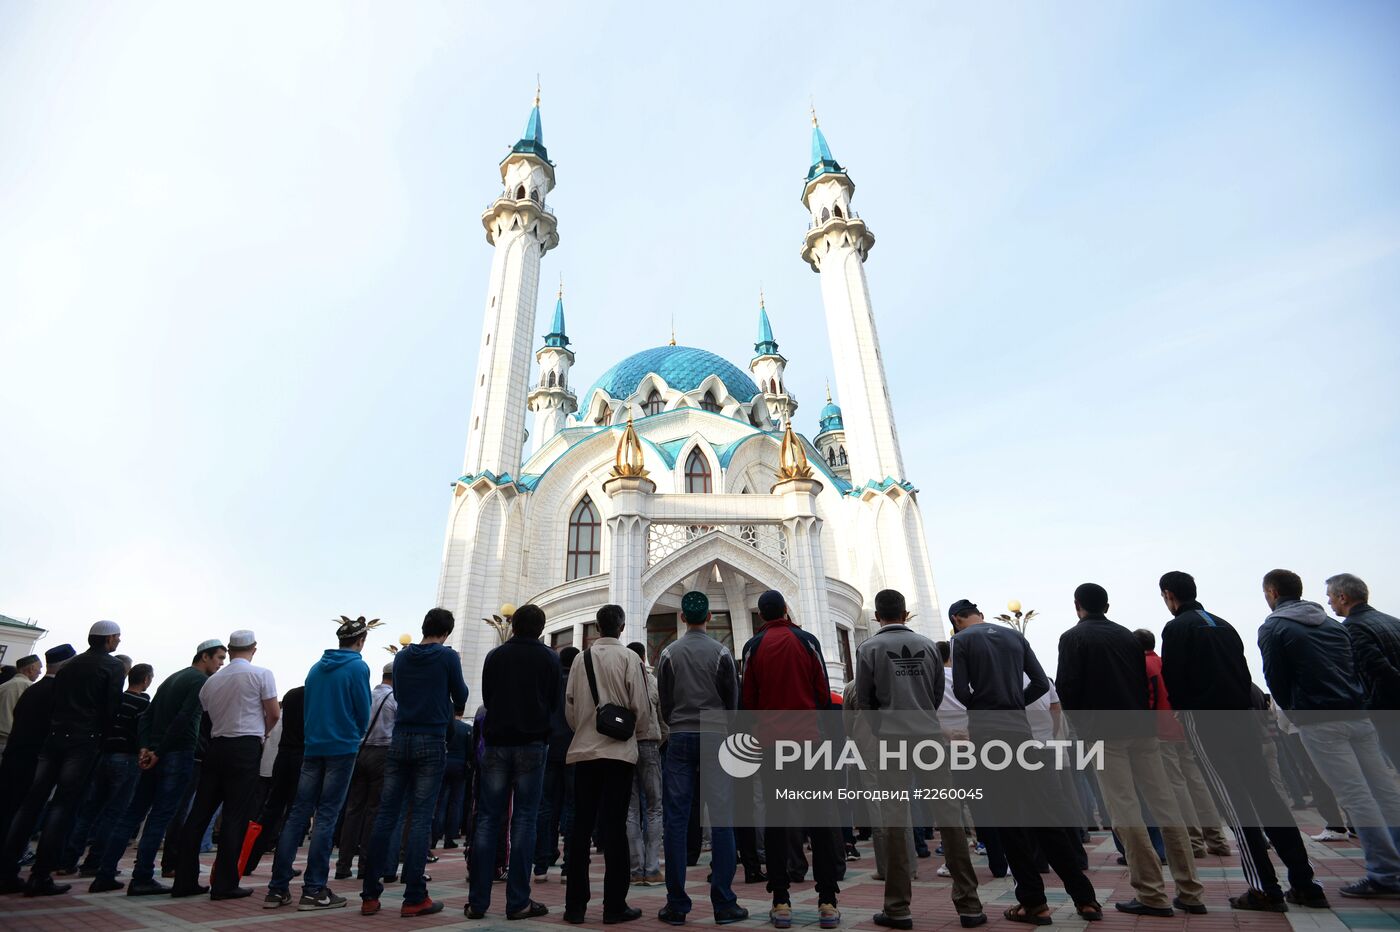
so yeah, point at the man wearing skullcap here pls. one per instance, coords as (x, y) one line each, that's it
(241, 701)
(27, 673)
(337, 714)
(166, 737)
(87, 694)
(695, 675)
(33, 715)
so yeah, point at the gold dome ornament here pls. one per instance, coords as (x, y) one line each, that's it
(628, 462)
(792, 459)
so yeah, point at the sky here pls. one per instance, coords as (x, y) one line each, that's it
(1136, 280)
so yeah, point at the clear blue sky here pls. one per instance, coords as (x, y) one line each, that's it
(1136, 277)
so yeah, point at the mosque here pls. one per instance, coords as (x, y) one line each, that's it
(677, 469)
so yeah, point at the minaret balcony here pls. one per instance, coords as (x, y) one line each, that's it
(846, 231)
(504, 212)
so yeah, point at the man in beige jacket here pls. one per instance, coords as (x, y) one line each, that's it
(604, 766)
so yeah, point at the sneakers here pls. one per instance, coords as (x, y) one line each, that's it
(852, 853)
(724, 917)
(943, 871)
(654, 878)
(1328, 835)
(276, 899)
(1366, 888)
(425, 908)
(636, 879)
(828, 916)
(781, 916)
(321, 899)
(893, 922)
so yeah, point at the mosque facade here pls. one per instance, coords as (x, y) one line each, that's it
(677, 469)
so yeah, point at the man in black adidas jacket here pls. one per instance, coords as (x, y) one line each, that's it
(1208, 680)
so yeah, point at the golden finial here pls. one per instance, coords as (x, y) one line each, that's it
(561, 286)
(673, 329)
(792, 459)
(760, 297)
(828, 391)
(813, 109)
(537, 88)
(627, 463)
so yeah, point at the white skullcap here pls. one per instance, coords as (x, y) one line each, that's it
(242, 638)
(104, 629)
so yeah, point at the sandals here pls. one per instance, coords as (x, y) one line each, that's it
(1019, 913)
(1090, 912)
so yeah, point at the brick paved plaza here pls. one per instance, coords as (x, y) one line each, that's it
(860, 899)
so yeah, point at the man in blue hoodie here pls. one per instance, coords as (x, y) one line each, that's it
(336, 715)
(1311, 672)
(427, 684)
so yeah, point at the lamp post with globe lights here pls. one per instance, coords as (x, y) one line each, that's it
(1016, 619)
(501, 622)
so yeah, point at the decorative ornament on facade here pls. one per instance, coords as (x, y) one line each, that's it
(628, 464)
(792, 459)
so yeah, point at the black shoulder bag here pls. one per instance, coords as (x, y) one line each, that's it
(612, 720)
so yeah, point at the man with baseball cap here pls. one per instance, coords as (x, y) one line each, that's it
(696, 674)
(337, 714)
(784, 669)
(87, 693)
(33, 715)
(166, 735)
(241, 701)
(27, 673)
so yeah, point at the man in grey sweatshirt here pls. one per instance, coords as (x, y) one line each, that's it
(1310, 670)
(900, 670)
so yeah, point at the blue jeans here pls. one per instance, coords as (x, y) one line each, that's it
(681, 777)
(503, 767)
(413, 770)
(158, 792)
(447, 821)
(1348, 756)
(321, 789)
(112, 788)
(556, 799)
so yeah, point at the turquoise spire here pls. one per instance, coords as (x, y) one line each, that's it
(557, 336)
(532, 142)
(822, 161)
(766, 345)
(830, 418)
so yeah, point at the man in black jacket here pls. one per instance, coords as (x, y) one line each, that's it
(520, 688)
(1204, 668)
(1375, 646)
(1102, 680)
(87, 693)
(1308, 665)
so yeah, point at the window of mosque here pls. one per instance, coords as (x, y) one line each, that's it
(826, 215)
(551, 380)
(520, 193)
(697, 472)
(590, 633)
(721, 628)
(837, 210)
(585, 541)
(562, 639)
(709, 403)
(654, 404)
(845, 637)
(841, 457)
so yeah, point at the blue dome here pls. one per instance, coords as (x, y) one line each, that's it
(683, 368)
(831, 418)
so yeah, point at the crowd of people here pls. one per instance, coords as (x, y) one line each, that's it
(574, 752)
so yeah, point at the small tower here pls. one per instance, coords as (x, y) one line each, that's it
(836, 247)
(552, 400)
(522, 229)
(830, 440)
(767, 368)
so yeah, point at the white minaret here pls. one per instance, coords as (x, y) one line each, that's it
(522, 229)
(767, 367)
(836, 246)
(551, 399)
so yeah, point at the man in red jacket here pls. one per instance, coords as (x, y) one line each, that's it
(1197, 808)
(783, 669)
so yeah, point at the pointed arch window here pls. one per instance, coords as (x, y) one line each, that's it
(708, 403)
(551, 380)
(655, 404)
(826, 215)
(697, 472)
(585, 541)
(837, 210)
(520, 193)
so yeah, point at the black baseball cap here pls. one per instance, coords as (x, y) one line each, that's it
(961, 607)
